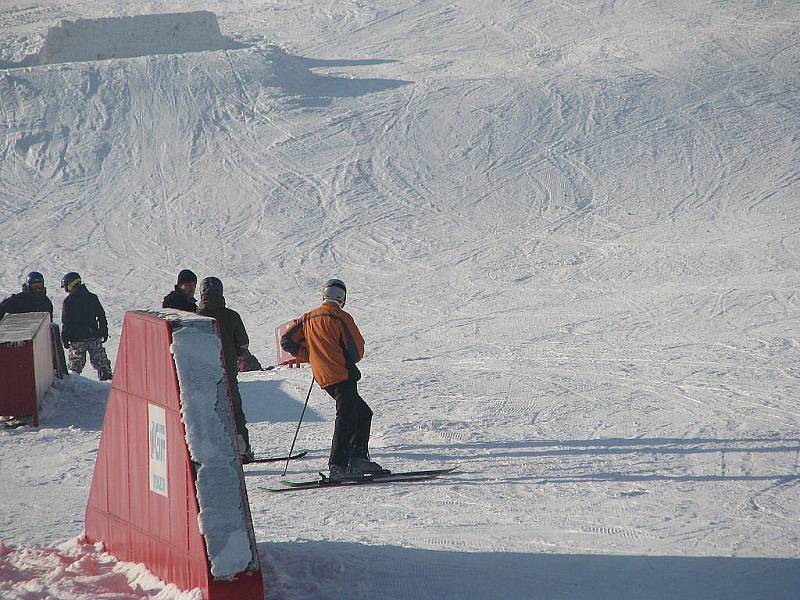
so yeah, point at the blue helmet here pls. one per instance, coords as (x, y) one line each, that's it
(34, 277)
(34, 283)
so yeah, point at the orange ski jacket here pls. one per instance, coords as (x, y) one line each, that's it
(331, 341)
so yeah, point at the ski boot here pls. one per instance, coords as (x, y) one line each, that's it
(359, 459)
(340, 473)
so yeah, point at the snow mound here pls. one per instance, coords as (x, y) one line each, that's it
(71, 123)
(127, 37)
(76, 569)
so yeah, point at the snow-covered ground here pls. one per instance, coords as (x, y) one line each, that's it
(571, 235)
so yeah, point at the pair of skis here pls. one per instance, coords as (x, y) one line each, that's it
(325, 482)
(388, 477)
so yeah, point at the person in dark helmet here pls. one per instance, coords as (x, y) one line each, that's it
(182, 297)
(330, 339)
(32, 298)
(234, 345)
(84, 327)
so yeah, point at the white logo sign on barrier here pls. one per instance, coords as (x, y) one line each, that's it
(158, 448)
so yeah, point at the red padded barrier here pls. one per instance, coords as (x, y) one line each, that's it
(135, 523)
(26, 364)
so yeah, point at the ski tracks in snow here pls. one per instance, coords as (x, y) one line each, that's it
(569, 232)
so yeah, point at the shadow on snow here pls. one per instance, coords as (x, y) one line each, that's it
(337, 570)
(74, 401)
(474, 452)
(292, 76)
(265, 401)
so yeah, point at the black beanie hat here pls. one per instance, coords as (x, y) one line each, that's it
(186, 276)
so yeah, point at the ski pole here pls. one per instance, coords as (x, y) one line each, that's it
(289, 457)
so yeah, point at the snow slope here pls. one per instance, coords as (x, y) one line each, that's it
(570, 234)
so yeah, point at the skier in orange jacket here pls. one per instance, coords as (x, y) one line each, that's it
(331, 341)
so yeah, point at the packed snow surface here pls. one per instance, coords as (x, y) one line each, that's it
(206, 416)
(570, 231)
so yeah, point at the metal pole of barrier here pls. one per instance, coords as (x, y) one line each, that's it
(289, 457)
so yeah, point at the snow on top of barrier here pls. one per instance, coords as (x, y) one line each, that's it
(131, 36)
(20, 328)
(223, 519)
(174, 315)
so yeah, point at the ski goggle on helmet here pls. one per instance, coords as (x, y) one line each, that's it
(70, 280)
(334, 289)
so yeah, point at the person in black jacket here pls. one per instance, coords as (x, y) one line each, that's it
(84, 327)
(182, 297)
(32, 298)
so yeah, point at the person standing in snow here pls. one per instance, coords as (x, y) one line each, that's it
(182, 297)
(331, 341)
(234, 345)
(84, 327)
(32, 298)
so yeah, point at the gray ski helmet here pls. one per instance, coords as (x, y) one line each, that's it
(68, 279)
(212, 286)
(334, 289)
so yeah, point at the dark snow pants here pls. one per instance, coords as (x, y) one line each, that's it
(353, 421)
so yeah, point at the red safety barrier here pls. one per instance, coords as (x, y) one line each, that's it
(284, 359)
(26, 365)
(143, 503)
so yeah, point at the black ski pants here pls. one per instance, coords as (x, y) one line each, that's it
(353, 421)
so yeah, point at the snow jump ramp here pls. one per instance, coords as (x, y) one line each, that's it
(131, 36)
(168, 488)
